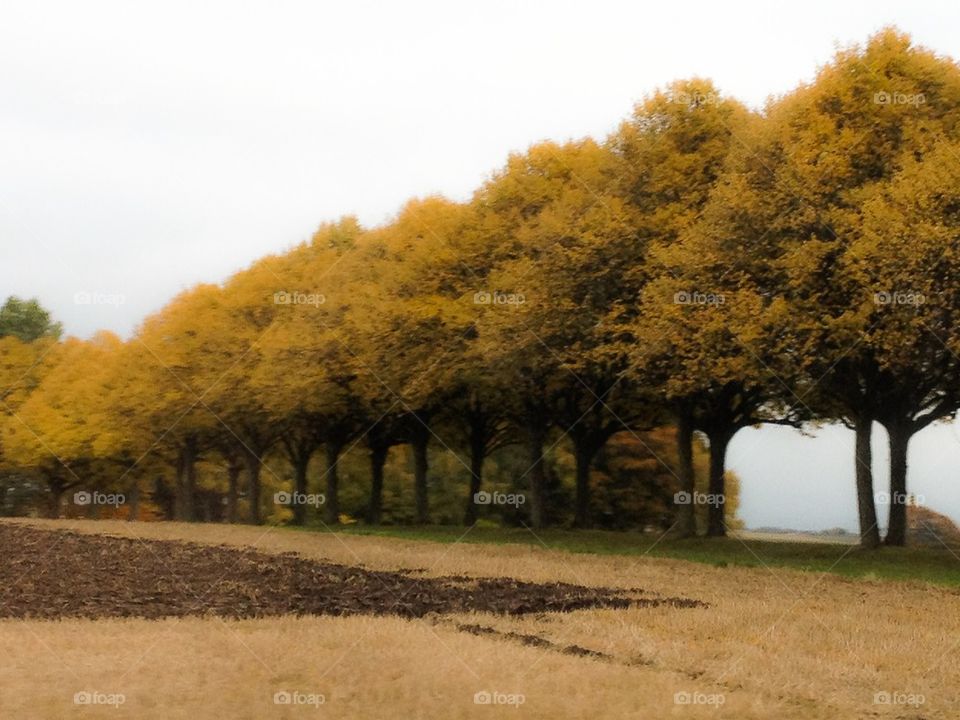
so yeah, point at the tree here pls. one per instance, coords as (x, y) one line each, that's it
(580, 246)
(23, 365)
(476, 417)
(684, 332)
(547, 224)
(831, 147)
(405, 331)
(637, 481)
(313, 402)
(57, 427)
(421, 309)
(157, 396)
(906, 251)
(27, 320)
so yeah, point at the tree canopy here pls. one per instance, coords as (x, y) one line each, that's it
(596, 306)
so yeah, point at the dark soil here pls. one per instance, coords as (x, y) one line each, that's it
(61, 574)
(534, 641)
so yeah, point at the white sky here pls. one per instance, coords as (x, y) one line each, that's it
(145, 147)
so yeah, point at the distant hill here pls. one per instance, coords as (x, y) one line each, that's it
(925, 528)
(839, 535)
(789, 531)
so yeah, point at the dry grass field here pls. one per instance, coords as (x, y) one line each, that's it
(773, 643)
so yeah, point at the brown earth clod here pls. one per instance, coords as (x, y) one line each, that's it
(60, 574)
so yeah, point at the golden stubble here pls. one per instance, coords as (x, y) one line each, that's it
(774, 643)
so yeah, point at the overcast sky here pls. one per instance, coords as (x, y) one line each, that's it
(145, 147)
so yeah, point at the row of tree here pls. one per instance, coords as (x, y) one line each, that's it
(706, 266)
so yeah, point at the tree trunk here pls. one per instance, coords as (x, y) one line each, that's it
(378, 457)
(419, 443)
(867, 509)
(478, 451)
(187, 480)
(178, 499)
(233, 477)
(164, 497)
(300, 467)
(252, 461)
(536, 436)
(134, 507)
(899, 440)
(54, 499)
(716, 515)
(686, 514)
(332, 499)
(585, 449)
